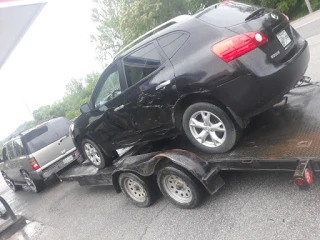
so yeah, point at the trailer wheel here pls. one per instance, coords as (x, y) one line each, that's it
(180, 187)
(136, 189)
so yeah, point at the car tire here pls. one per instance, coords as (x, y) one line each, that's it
(94, 154)
(137, 189)
(10, 183)
(180, 187)
(34, 185)
(210, 128)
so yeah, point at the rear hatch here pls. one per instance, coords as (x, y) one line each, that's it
(50, 141)
(242, 18)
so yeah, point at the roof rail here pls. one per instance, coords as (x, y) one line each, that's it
(153, 31)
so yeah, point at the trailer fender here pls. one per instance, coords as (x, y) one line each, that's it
(147, 166)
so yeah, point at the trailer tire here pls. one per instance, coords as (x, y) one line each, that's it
(137, 189)
(94, 154)
(180, 187)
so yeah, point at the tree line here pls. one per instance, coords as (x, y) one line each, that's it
(121, 21)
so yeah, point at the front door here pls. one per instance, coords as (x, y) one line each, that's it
(151, 91)
(109, 123)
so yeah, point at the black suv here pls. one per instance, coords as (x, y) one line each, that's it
(205, 75)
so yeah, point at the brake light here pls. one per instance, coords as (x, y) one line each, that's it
(288, 19)
(238, 45)
(308, 176)
(225, 3)
(34, 164)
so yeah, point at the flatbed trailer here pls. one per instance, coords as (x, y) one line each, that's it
(284, 138)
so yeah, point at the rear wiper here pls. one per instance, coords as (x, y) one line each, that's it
(256, 13)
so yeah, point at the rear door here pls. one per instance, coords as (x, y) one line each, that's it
(243, 18)
(151, 89)
(50, 141)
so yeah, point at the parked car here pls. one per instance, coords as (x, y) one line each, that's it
(205, 75)
(36, 154)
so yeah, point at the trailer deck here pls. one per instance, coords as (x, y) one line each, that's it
(278, 139)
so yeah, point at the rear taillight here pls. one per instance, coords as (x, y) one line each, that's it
(225, 3)
(34, 164)
(238, 45)
(288, 19)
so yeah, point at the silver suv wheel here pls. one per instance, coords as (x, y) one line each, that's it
(208, 129)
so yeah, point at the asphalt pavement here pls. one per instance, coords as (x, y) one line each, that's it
(251, 205)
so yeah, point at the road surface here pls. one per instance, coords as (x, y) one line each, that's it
(251, 205)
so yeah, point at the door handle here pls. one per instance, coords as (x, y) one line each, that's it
(163, 84)
(118, 108)
(61, 139)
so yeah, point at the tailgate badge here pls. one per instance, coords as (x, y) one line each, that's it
(274, 55)
(63, 151)
(274, 16)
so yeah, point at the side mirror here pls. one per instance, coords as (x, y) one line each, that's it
(84, 108)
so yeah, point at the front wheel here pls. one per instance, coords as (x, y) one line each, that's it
(180, 187)
(95, 155)
(10, 183)
(210, 128)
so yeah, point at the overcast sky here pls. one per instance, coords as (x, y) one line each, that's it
(55, 49)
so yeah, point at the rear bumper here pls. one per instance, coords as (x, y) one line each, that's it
(57, 166)
(251, 94)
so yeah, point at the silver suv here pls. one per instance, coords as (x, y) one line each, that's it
(37, 153)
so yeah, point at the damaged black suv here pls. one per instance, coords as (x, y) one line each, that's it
(204, 75)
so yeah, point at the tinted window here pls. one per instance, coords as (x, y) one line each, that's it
(141, 63)
(18, 148)
(227, 15)
(171, 43)
(10, 151)
(110, 87)
(4, 154)
(46, 134)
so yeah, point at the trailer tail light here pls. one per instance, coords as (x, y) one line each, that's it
(236, 46)
(308, 176)
(34, 164)
(299, 181)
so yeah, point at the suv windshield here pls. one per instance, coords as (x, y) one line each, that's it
(46, 134)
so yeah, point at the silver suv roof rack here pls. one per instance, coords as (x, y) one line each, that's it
(153, 31)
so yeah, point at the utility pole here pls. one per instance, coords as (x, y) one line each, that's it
(309, 6)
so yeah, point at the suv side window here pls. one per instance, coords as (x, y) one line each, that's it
(4, 154)
(172, 42)
(10, 152)
(141, 63)
(110, 87)
(18, 148)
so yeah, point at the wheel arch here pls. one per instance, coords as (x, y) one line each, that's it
(184, 102)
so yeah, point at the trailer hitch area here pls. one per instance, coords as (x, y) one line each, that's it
(303, 176)
(306, 81)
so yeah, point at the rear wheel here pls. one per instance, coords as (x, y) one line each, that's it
(136, 189)
(95, 155)
(180, 187)
(210, 128)
(10, 183)
(34, 185)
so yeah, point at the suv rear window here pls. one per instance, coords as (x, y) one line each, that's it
(46, 134)
(226, 15)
